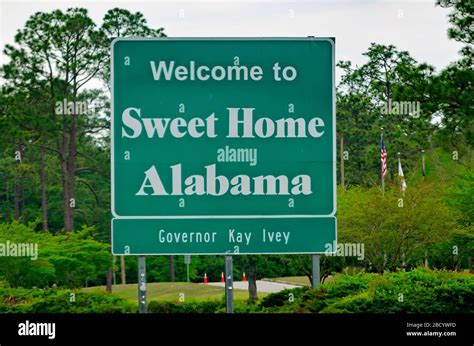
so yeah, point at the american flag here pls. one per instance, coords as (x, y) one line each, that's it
(383, 158)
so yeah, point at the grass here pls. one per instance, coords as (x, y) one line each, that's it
(170, 291)
(298, 280)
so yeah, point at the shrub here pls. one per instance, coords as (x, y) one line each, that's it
(280, 298)
(204, 307)
(59, 301)
(63, 259)
(417, 291)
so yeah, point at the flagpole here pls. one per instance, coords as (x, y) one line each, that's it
(381, 164)
(399, 165)
(403, 184)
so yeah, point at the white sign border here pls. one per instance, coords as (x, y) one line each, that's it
(225, 253)
(112, 171)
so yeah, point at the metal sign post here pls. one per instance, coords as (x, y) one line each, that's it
(187, 261)
(142, 284)
(316, 273)
(229, 285)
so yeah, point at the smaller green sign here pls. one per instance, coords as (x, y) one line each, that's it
(220, 236)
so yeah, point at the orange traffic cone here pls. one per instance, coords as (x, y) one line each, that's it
(205, 278)
(222, 277)
(244, 278)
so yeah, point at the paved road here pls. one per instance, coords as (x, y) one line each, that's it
(262, 286)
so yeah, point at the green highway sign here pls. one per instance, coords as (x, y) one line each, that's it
(223, 132)
(221, 236)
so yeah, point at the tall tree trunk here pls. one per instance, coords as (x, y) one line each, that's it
(122, 270)
(66, 198)
(16, 191)
(44, 201)
(253, 282)
(172, 271)
(72, 169)
(16, 199)
(23, 201)
(70, 172)
(389, 125)
(21, 187)
(109, 280)
(64, 175)
(7, 203)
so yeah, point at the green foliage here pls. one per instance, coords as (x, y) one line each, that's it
(204, 307)
(328, 293)
(60, 301)
(53, 58)
(64, 259)
(158, 268)
(417, 291)
(119, 22)
(244, 307)
(451, 92)
(282, 297)
(188, 307)
(455, 252)
(461, 18)
(394, 228)
(389, 75)
(461, 195)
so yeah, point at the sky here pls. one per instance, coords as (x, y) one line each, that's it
(417, 26)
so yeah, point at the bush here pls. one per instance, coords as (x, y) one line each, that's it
(326, 294)
(63, 259)
(417, 291)
(204, 307)
(280, 298)
(359, 302)
(246, 307)
(425, 291)
(59, 301)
